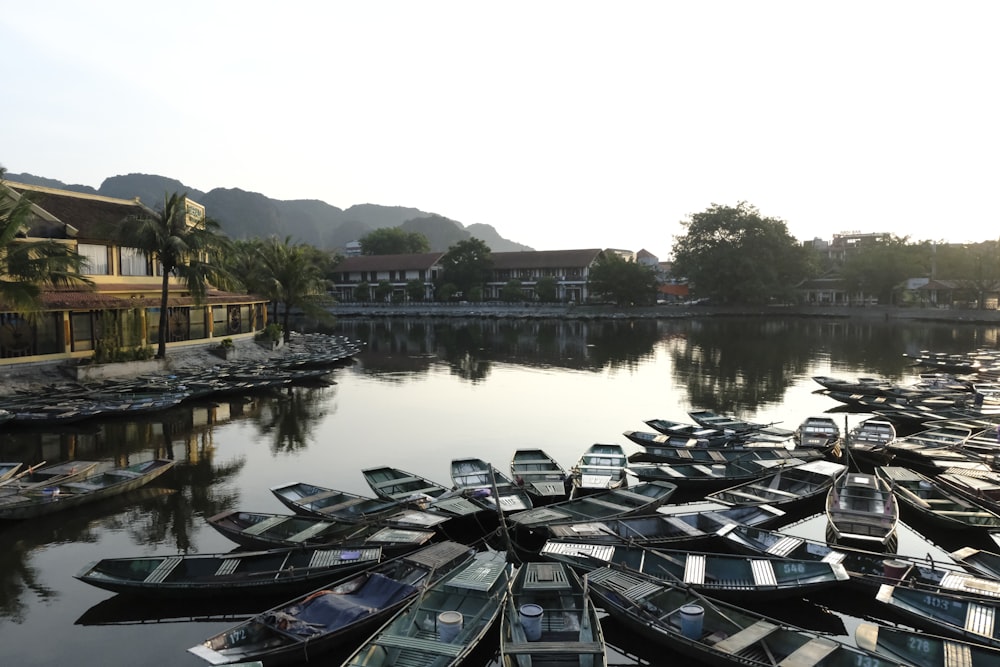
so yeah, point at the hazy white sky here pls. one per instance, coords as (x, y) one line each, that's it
(569, 124)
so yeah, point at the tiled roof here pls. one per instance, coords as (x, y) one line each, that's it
(544, 259)
(91, 215)
(389, 262)
(77, 300)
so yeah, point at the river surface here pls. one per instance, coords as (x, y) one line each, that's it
(422, 393)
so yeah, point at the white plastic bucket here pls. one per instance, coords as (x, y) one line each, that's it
(692, 620)
(531, 621)
(449, 625)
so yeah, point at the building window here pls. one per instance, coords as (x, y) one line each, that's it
(96, 257)
(134, 262)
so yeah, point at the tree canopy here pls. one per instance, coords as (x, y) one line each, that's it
(393, 241)
(625, 282)
(467, 265)
(733, 254)
(28, 266)
(190, 249)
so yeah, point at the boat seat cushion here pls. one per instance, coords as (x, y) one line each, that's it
(327, 611)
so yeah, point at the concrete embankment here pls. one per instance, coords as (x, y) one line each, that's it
(555, 311)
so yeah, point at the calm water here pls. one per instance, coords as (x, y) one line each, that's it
(422, 393)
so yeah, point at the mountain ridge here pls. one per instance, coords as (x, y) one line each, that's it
(243, 214)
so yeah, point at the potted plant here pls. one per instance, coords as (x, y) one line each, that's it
(272, 336)
(225, 349)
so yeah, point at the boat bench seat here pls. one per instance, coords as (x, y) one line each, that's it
(309, 532)
(266, 524)
(553, 648)
(810, 654)
(397, 481)
(631, 495)
(228, 566)
(417, 644)
(746, 637)
(162, 570)
(609, 505)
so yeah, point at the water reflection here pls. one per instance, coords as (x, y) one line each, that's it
(406, 402)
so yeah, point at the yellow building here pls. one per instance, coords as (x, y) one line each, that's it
(127, 286)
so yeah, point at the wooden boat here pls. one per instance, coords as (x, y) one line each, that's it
(33, 502)
(862, 509)
(868, 569)
(786, 487)
(540, 475)
(568, 631)
(820, 432)
(921, 649)
(643, 498)
(721, 576)
(984, 563)
(399, 485)
(712, 455)
(746, 430)
(311, 500)
(478, 480)
(868, 442)
(530, 529)
(714, 632)
(945, 613)
(260, 530)
(699, 476)
(679, 432)
(304, 628)
(285, 572)
(861, 385)
(982, 488)
(446, 623)
(934, 504)
(601, 467)
(42, 475)
(660, 530)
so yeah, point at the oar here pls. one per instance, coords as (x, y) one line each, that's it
(21, 474)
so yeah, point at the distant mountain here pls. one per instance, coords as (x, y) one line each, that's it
(243, 214)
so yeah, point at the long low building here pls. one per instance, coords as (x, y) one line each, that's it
(73, 322)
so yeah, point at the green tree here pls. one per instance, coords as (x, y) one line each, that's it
(733, 254)
(512, 291)
(879, 268)
(362, 291)
(293, 274)
(624, 282)
(382, 291)
(546, 289)
(467, 264)
(26, 267)
(415, 290)
(393, 241)
(190, 249)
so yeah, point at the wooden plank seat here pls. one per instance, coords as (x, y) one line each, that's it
(694, 569)
(957, 654)
(604, 503)
(265, 525)
(545, 576)
(784, 546)
(683, 526)
(632, 495)
(557, 647)
(228, 566)
(763, 573)
(162, 570)
(397, 481)
(746, 637)
(311, 531)
(322, 495)
(810, 654)
(417, 644)
(749, 496)
(980, 619)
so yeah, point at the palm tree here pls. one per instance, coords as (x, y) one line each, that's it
(293, 274)
(27, 267)
(181, 249)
